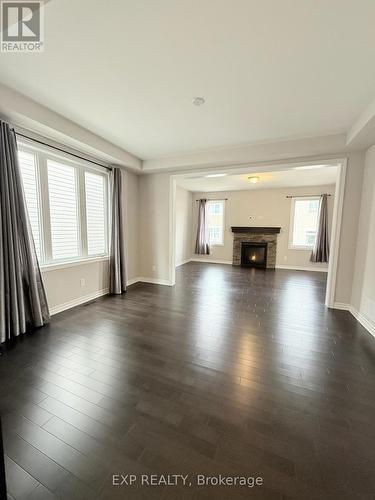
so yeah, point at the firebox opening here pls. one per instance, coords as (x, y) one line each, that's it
(254, 254)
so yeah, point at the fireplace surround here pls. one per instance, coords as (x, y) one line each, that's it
(260, 237)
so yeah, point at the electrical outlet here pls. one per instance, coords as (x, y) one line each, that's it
(83, 282)
(285, 257)
(154, 268)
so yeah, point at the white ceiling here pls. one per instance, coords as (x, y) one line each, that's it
(128, 70)
(267, 180)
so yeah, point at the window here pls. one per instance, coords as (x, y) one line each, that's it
(215, 222)
(67, 205)
(63, 207)
(310, 237)
(31, 189)
(313, 206)
(215, 207)
(95, 213)
(304, 222)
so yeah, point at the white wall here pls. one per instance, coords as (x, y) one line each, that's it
(270, 207)
(155, 245)
(184, 223)
(131, 223)
(363, 292)
(63, 286)
(349, 227)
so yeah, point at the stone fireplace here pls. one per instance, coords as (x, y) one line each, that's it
(255, 246)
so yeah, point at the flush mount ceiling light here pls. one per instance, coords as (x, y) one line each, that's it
(253, 179)
(215, 175)
(198, 101)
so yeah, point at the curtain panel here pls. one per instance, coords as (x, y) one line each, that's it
(202, 246)
(117, 273)
(320, 252)
(23, 300)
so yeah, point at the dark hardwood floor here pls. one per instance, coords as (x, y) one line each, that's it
(232, 371)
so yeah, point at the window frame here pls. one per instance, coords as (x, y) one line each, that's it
(42, 155)
(291, 245)
(222, 202)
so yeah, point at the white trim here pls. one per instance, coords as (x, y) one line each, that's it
(301, 247)
(72, 263)
(335, 233)
(155, 281)
(132, 281)
(365, 321)
(211, 261)
(361, 318)
(299, 268)
(172, 232)
(78, 301)
(342, 306)
(182, 262)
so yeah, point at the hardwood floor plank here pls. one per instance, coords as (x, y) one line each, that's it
(232, 371)
(37, 464)
(19, 483)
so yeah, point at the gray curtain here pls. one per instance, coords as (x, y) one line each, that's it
(23, 300)
(202, 246)
(320, 252)
(117, 274)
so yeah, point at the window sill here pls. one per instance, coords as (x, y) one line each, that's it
(72, 263)
(294, 247)
(216, 244)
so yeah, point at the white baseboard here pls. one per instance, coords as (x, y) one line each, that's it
(298, 268)
(155, 281)
(144, 279)
(95, 295)
(342, 306)
(361, 318)
(182, 262)
(132, 281)
(77, 302)
(365, 321)
(211, 261)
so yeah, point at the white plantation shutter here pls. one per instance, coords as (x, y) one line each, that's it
(95, 213)
(67, 203)
(63, 201)
(31, 189)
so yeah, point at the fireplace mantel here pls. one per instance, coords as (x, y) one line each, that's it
(256, 230)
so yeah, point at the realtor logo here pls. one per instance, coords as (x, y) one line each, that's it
(22, 26)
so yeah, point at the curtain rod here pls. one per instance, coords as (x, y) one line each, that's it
(307, 195)
(213, 199)
(63, 151)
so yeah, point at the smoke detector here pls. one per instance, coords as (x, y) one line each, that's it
(198, 101)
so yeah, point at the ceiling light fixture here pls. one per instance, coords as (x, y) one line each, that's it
(198, 101)
(215, 175)
(254, 179)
